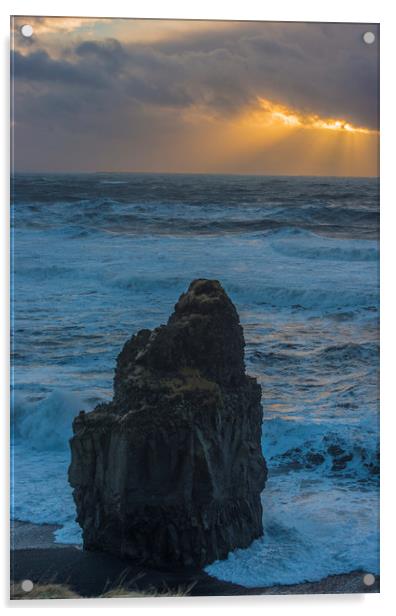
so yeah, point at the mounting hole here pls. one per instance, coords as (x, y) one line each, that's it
(368, 579)
(27, 30)
(27, 585)
(369, 38)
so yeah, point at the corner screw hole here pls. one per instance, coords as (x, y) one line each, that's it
(27, 585)
(368, 579)
(27, 30)
(369, 38)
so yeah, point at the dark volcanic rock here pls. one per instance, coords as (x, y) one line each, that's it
(170, 472)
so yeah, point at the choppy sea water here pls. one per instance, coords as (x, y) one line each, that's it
(97, 257)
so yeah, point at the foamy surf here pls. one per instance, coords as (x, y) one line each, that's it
(307, 534)
(95, 262)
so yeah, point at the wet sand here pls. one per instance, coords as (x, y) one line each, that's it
(27, 535)
(36, 557)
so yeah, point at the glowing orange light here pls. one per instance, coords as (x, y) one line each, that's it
(275, 113)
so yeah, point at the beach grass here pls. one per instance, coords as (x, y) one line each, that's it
(62, 591)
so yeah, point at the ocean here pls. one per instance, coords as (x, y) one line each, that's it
(96, 257)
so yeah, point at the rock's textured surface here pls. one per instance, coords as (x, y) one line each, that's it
(170, 472)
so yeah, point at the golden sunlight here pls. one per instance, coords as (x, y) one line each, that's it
(275, 113)
(270, 137)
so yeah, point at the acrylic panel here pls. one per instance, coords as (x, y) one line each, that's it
(195, 307)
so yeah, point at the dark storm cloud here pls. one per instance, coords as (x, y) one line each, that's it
(108, 87)
(325, 69)
(110, 53)
(39, 67)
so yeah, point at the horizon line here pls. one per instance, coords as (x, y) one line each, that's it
(214, 173)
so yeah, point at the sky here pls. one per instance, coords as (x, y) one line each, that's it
(134, 95)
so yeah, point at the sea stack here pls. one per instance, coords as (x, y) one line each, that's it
(170, 472)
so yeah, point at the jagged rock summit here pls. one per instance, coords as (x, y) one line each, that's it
(170, 472)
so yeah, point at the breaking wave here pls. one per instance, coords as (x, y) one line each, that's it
(99, 256)
(46, 424)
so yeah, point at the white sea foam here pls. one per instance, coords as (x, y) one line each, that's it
(313, 528)
(303, 509)
(40, 457)
(47, 424)
(95, 262)
(317, 521)
(40, 492)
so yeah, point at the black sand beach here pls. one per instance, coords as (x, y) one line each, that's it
(90, 574)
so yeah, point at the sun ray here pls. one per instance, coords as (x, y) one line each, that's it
(267, 137)
(276, 113)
